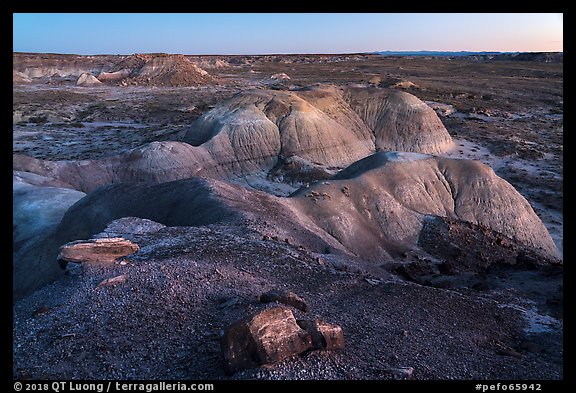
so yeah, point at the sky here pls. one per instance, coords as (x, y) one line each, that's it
(245, 33)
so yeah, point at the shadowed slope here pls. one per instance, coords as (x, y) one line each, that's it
(374, 209)
(188, 202)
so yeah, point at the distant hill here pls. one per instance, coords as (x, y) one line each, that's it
(545, 57)
(438, 53)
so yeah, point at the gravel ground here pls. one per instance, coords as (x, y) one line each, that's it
(165, 321)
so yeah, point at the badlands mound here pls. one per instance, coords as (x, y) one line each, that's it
(375, 209)
(377, 118)
(254, 131)
(260, 125)
(378, 204)
(399, 120)
(87, 79)
(165, 70)
(156, 162)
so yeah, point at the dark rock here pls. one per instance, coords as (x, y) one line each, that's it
(128, 227)
(266, 337)
(284, 297)
(505, 350)
(372, 281)
(444, 284)
(228, 303)
(399, 373)
(41, 310)
(482, 286)
(525, 259)
(324, 335)
(530, 346)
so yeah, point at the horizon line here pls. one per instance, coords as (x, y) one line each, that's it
(291, 53)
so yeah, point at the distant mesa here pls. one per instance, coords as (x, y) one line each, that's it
(157, 70)
(202, 62)
(140, 69)
(43, 67)
(545, 57)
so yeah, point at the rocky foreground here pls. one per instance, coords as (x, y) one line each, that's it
(187, 284)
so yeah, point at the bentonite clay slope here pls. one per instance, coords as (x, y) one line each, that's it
(399, 120)
(374, 209)
(38, 205)
(248, 135)
(376, 118)
(19, 77)
(187, 202)
(156, 162)
(244, 136)
(377, 205)
(260, 125)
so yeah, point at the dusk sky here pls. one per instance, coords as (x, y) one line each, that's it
(92, 33)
